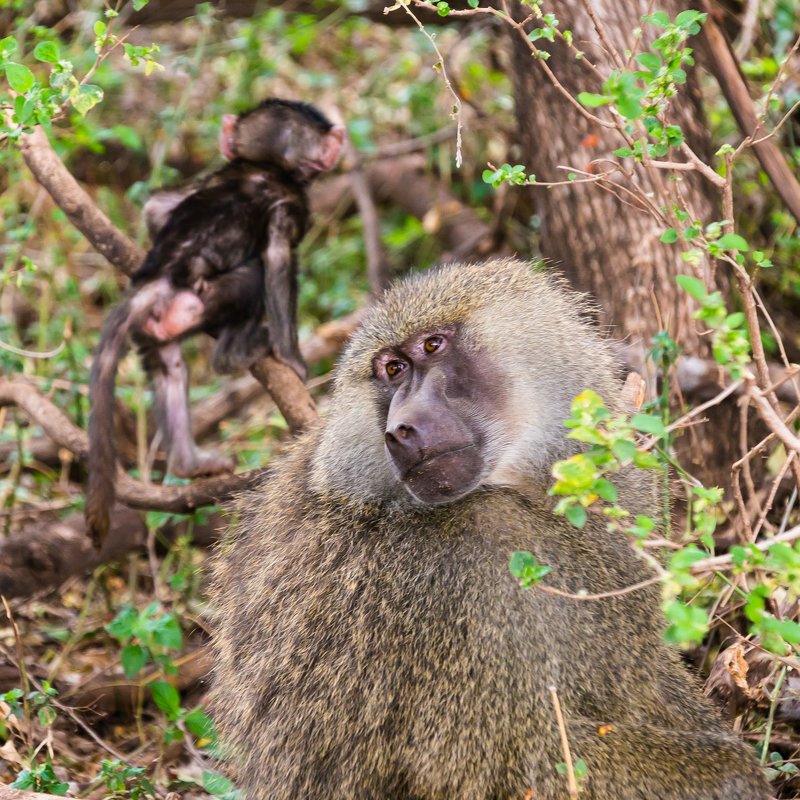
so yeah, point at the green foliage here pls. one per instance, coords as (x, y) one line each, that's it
(579, 769)
(779, 767)
(523, 566)
(218, 785)
(154, 633)
(513, 175)
(40, 779)
(730, 343)
(11, 698)
(686, 625)
(42, 703)
(123, 781)
(582, 479)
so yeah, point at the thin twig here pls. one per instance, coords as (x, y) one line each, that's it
(456, 113)
(600, 595)
(571, 782)
(30, 353)
(717, 563)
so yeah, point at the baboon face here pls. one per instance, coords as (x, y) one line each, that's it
(435, 400)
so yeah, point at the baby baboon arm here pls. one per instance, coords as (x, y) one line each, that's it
(281, 278)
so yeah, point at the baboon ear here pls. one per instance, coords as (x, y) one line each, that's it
(226, 138)
(331, 147)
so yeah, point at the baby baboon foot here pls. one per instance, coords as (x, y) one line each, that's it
(293, 361)
(205, 462)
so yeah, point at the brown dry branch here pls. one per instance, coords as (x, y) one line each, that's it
(708, 566)
(376, 260)
(177, 499)
(7, 793)
(106, 694)
(44, 554)
(404, 183)
(326, 341)
(72, 199)
(722, 62)
(562, 729)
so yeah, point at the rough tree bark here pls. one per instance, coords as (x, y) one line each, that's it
(604, 246)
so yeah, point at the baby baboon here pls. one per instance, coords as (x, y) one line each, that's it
(372, 642)
(223, 255)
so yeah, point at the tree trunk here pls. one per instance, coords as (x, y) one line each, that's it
(603, 243)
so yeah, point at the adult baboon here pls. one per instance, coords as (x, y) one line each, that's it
(372, 642)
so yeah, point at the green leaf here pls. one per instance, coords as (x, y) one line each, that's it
(574, 474)
(7, 46)
(47, 716)
(688, 623)
(166, 697)
(648, 424)
(659, 18)
(23, 108)
(623, 449)
(85, 97)
(473, 3)
(732, 241)
(689, 18)
(24, 780)
(787, 629)
(47, 52)
(576, 515)
(605, 489)
(19, 77)
(644, 459)
(629, 106)
(693, 286)
(167, 632)
(217, 784)
(669, 236)
(593, 100)
(692, 232)
(138, 5)
(200, 724)
(623, 152)
(133, 658)
(519, 562)
(650, 60)
(735, 320)
(681, 560)
(121, 627)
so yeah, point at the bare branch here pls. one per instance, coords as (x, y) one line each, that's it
(716, 563)
(723, 64)
(82, 212)
(288, 392)
(178, 499)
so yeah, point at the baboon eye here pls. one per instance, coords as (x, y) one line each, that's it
(394, 368)
(433, 343)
